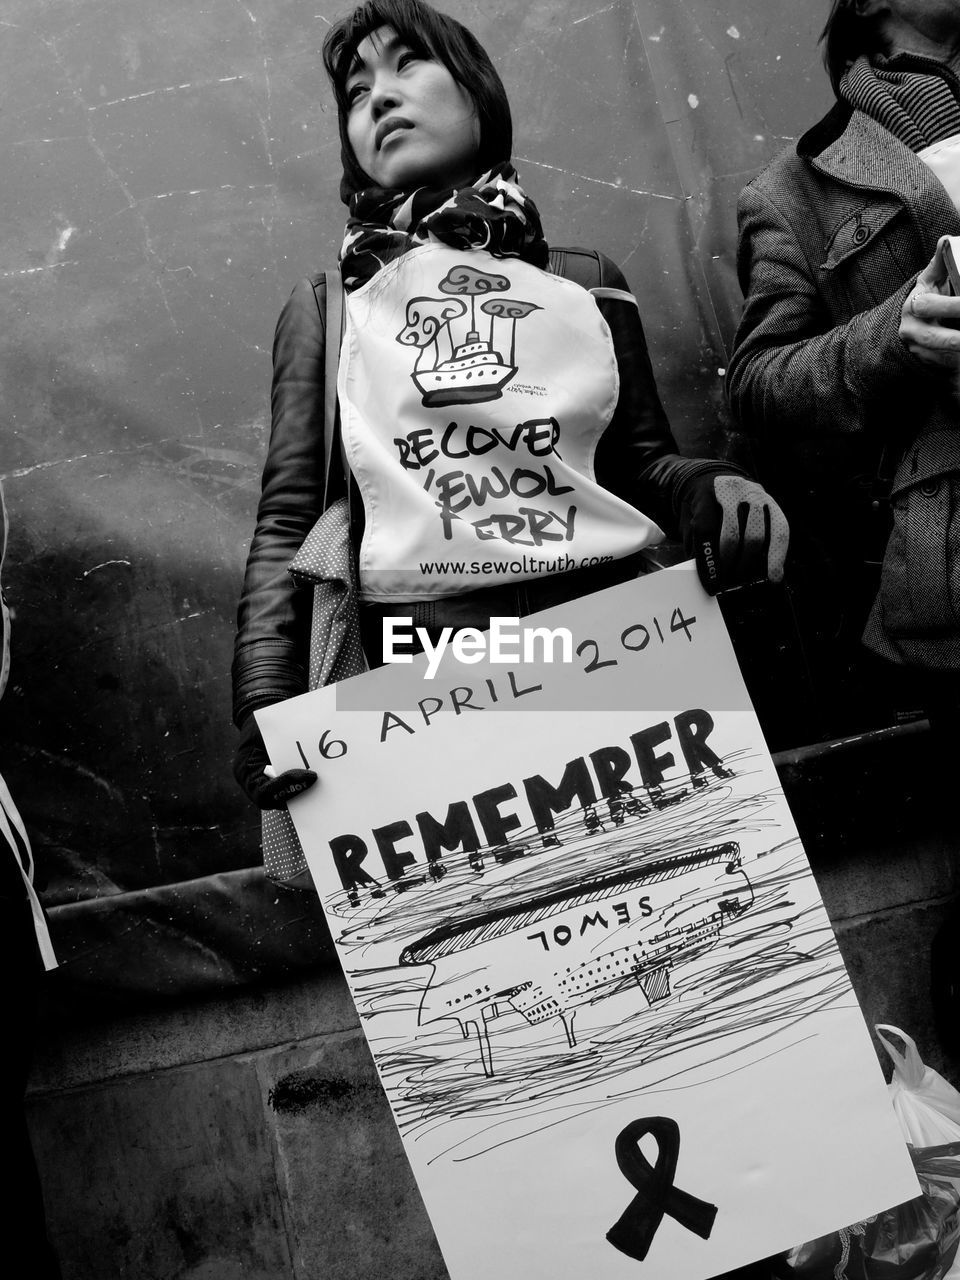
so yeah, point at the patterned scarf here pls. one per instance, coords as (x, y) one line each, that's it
(494, 214)
(917, 99)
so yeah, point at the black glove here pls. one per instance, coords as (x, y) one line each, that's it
(249, 762)
(733, 529)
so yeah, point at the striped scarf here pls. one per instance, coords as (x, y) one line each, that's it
(493, 214)
(917, 99)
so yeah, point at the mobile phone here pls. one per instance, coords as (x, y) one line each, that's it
(951, 253)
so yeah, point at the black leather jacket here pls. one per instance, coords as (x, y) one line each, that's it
(636, 459)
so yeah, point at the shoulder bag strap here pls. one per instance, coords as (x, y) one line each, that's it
(333, 336)
(557, 261)
(582, 266)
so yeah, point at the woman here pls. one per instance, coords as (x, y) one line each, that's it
(493, 412)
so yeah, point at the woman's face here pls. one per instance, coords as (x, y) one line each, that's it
(408, 121)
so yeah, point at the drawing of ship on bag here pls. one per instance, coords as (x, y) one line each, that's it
(916, 617)
(473, 370)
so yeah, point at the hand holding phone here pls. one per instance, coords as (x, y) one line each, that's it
(930, 315)
(951, 253)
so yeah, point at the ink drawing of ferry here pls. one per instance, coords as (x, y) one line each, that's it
(474, 372)
(454, 367)
(547, 954)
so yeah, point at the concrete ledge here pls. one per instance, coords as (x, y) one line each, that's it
(181, 941)
(231, 1025)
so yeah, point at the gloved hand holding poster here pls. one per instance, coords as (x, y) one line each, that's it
(587, 949)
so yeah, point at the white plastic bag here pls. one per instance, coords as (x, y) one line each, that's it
(913, 1241)
(927, 1106)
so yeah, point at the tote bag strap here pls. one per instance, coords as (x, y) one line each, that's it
(284, 861)
(333, 337)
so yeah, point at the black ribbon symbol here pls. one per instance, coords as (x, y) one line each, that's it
(656, 1195)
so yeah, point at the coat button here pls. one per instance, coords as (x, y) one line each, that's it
(929, 488)
(861, 235)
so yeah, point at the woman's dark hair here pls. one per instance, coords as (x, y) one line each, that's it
(847, 35)
(426, 31)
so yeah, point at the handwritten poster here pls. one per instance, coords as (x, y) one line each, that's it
(588, 952)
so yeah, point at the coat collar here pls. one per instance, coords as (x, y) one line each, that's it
(854, 149)
(826, 130)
